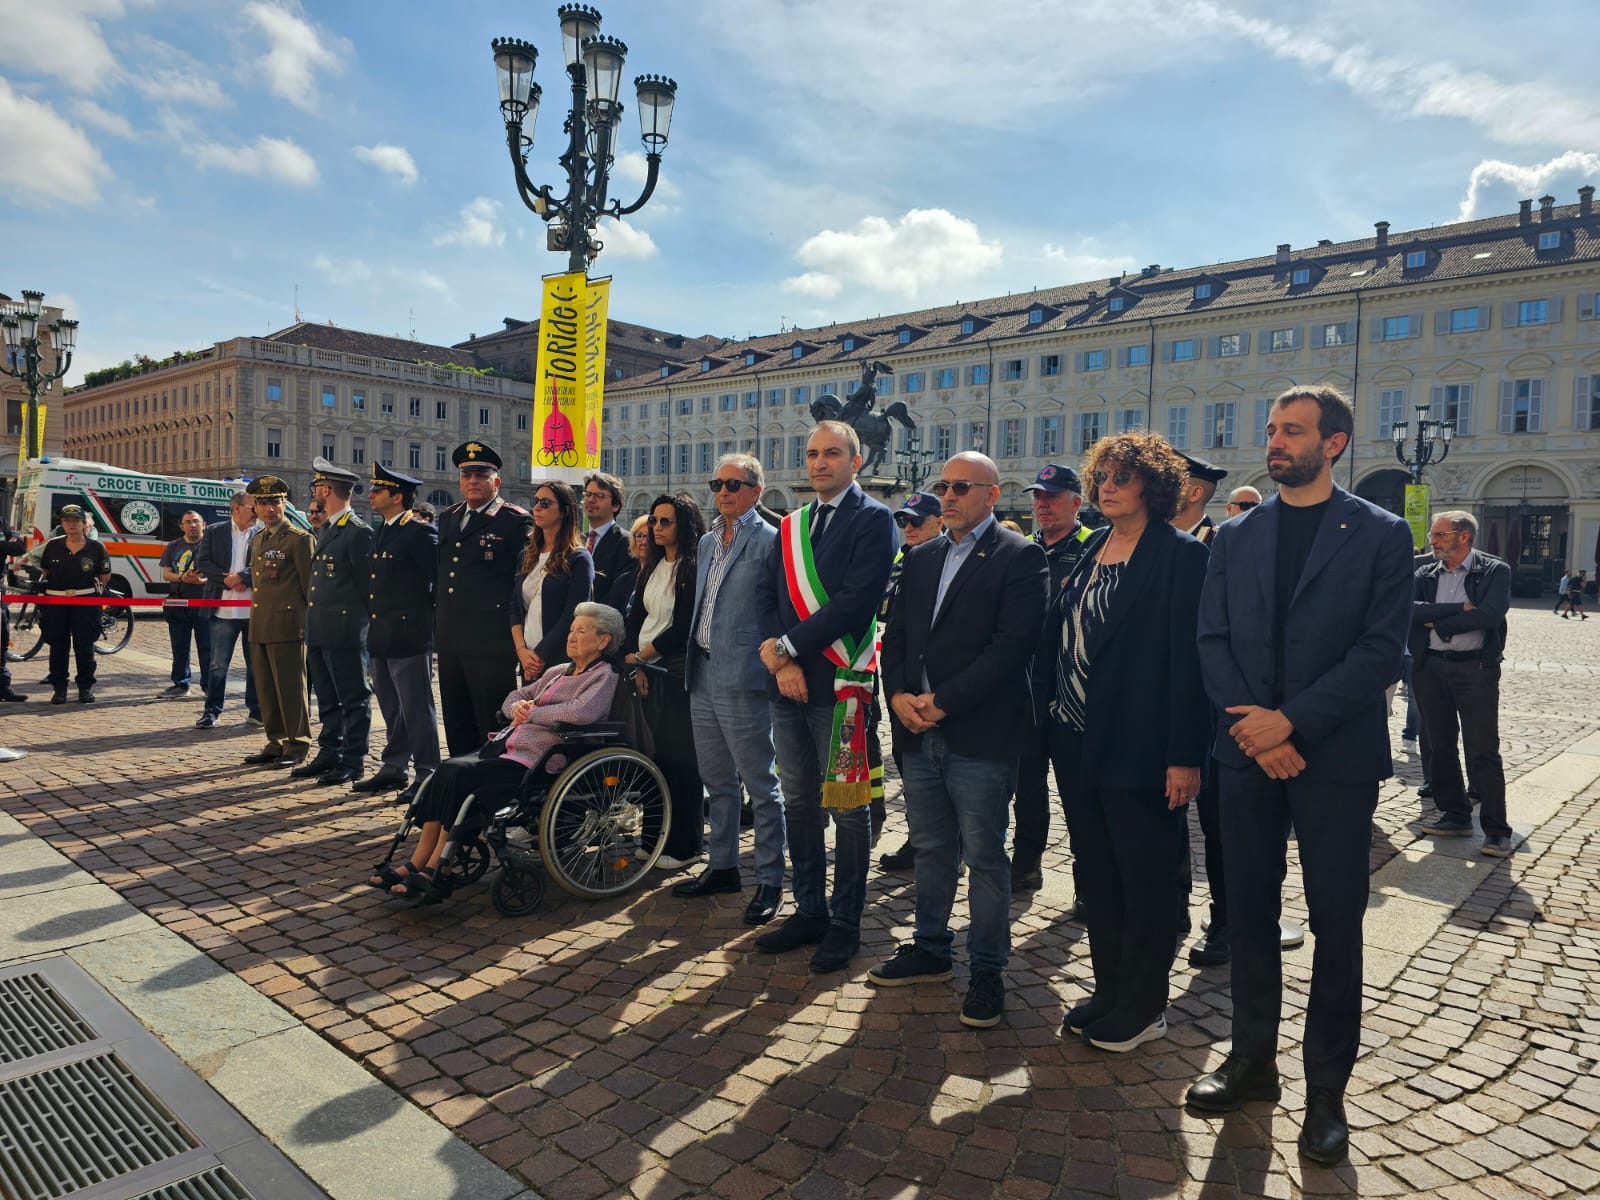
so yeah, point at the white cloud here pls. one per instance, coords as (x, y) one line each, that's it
(428, 282)
(477, 225)
(296, 50)
(277, 159)
(43, 157)
(1496, 186)
(174, 85)
(1084, 260)
(926, 250)
(392, 160)
(625, 241)
(91, 113)
(633, 168)
(351, 270)
(60, 38)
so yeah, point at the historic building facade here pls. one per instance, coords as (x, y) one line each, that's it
(630, 349)
(1491, 323)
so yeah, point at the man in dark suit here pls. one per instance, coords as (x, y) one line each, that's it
(956, 653)
(336, 631)
(817, 604)
(606, 541)
(1458, 633)
(1302, 625)
(481, 540)
(223, 561)
(404, 566)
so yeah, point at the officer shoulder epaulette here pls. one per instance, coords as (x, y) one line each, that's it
(405, 517)
(521, 512)
(344, 518)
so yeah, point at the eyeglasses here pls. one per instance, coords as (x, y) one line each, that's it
(959, 486)
(1242, 505)
(662, 521)
(543, 502)
(1122, 478)
(588, 495)
(903, 519)
(640, 536)
(733, 485)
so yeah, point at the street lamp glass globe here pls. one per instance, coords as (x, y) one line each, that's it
(602, 59)
(66, 335)
(1399, 433)
(13, 334)
(28, 323)
(514, 61)
(32, 301)
(656, 94)
(579, 23)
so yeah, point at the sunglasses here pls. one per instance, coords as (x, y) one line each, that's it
(1122, 477)
(662, 521)
(1245, 504)
(543, 502)
(959, 486)
(904, 519)
(316, 512)
(733, 485)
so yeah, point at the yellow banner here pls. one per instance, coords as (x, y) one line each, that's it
(597, 302)
(1417, 514)
(38, 421)
(558, 380)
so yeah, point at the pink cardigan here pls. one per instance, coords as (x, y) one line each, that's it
(560, 697)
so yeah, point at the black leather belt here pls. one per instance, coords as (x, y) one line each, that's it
(1458, 655)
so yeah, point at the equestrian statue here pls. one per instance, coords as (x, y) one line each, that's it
(871, 427)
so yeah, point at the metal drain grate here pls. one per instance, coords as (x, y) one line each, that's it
(215, 1184)
(35, 1020)
(79, 1124)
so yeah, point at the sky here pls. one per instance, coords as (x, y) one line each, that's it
(180, 172)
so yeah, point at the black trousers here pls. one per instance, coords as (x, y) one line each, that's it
(667, 707)
(1208, 808)
(1031, 829)
(338, 678)
(70, 630)
(471, 689)
(494, 781)
(1464, 698)
(1333, 828)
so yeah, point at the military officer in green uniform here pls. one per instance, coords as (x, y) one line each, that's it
(336, 631)
(279, 577)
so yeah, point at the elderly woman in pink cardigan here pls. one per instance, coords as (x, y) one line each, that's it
(572, 693)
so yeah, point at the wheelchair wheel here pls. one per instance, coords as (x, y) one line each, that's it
(517, 891)
(471, 862)
(592, 829)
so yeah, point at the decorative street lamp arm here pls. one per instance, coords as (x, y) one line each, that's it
(538, 199)
(654, 173)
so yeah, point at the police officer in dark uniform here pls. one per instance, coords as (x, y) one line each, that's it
(1057, 495)
(480, 543)
(73, 565)
(1198, 489)
(400, 603)
(336, 631)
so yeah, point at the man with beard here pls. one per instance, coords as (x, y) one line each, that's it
(1302, 624)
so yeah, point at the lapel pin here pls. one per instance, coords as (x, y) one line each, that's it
(1342, 525)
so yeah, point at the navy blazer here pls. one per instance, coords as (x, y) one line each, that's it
(614, 568)
(977, 650)
(559, 596)
(1344, 640)
(1146, 708)
(853, 559)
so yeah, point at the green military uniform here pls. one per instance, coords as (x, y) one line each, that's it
(279, 579)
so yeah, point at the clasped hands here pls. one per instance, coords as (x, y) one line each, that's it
(918, 713)
(1263, 734)
(791, 679)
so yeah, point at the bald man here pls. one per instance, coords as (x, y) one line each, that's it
(1242, 500)
(955, 671)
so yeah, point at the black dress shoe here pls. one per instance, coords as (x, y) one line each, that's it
(85, 695)
(1236, 1081)
(1212, 950)
(763, 905)
(409, 793)
(287, 762)
(263, 758)
(59, 696)
(902, 859)
(1026, 874)
(336, 776)
(11, 697)
(386, 779)
(798, 929)
(315, 766)
(712, 882)
(1325, 1136)
(839, 945)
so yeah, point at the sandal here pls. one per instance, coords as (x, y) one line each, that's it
(412, 884)
(388, 876)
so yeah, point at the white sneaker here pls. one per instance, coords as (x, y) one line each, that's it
(1149, 1034)
(667, 863)
(1290, 935)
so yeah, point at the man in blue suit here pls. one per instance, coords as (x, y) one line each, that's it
(817, 604)
(728, 691)
(1303, 738)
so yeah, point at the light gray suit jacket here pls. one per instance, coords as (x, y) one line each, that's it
(735, 629)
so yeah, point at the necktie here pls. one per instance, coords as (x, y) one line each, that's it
(819, 520)
(590, 546)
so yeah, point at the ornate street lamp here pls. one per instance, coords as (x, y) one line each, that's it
(594, 67)
(1432, 436)
(912, 463)
(20, 323)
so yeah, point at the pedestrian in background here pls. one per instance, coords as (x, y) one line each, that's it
(186, 624)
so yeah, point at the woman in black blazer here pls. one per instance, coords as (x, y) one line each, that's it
(658, 630)
(555, 575)
(1118, 687)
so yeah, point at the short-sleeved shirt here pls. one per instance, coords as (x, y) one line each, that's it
(72, 571)
(179, 557)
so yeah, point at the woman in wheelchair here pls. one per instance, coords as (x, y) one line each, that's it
(571, 693)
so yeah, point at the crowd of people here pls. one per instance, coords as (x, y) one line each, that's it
(1155, 661)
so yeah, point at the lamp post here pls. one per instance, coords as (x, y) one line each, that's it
(20, 322)
(594, 68)
(1431, 436)
(912, 463)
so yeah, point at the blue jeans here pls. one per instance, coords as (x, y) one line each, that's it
(184, 624)
(959, 806)
(224, 633)
(733, 740)
(800, 735)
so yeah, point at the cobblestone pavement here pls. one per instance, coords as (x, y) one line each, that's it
(642, 1046)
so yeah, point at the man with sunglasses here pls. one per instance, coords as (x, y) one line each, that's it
(1242, 500)
(603, 498)
(481, 539)
(817, 604)
(727, 684)
(956, 654)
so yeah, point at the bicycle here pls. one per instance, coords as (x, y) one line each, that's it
(27, 634)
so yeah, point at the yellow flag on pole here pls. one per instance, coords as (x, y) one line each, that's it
(558, 379)
(596, 304)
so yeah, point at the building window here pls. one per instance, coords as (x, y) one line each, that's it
(1086, 431)
(1300, 275)
(885, 384)
(358, 451)
(1011, 438)
(1550, 239)
(726, 402)
(483, 417)
(664, 409)
(1279, 340)
(1139, 355)
(1178, 426)
(1263, 408)
(1050, 364)
(945, 377)
(1463, 320)
(1586, 413)
(441, 410)
(775, 398)
(1013, 369)
(1415, 259)
(607, 459)
(386, 404)
(330, 398)
(1391, 410)
(1230, 345)
(525, 419)
(750, 355)
(798, 352)
(414, 407)
(1333, 335)
(797, 452)
(905, 337)
(662, 459)
(274, 443)
(1094, 360)
(774, 459)
(666, 370)
(1533, 312)
(1202, 291)
(913, 383)
(386, 452)
(752, 399)
(358, 401)
(976, 436)
(275, 390)
(1396, 328)
(1522, 406)
(702, 453)
(440, 459)
(1219, 430)
(1117, 304)
(966, 326)
(705, 404)
(1036, 316)
(1453, 403)
(1183, 350)
(801, 395)
(330, 449)
(624, 460)
(943, 440)
(1049, 436)
(685, 406)
(979, 373)
(414, 456)
(1129, 420)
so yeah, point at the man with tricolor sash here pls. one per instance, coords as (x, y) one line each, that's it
(817, 603)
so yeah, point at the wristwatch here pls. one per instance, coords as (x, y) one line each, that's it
(781, 650)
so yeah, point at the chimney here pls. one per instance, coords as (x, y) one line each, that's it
(1383, 235)
(1586, 201)
(1547, 208)
(1525, 213)
(1152, 269)
(1324, 242)
(1283, 252)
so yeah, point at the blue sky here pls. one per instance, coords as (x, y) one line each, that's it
(174, 169)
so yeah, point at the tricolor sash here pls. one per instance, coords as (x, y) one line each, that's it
(847, 780)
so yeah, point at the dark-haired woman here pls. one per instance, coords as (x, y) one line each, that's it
(659, 617)
(555, 575)
(1128, 727)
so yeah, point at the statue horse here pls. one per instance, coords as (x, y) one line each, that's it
(871, 427)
